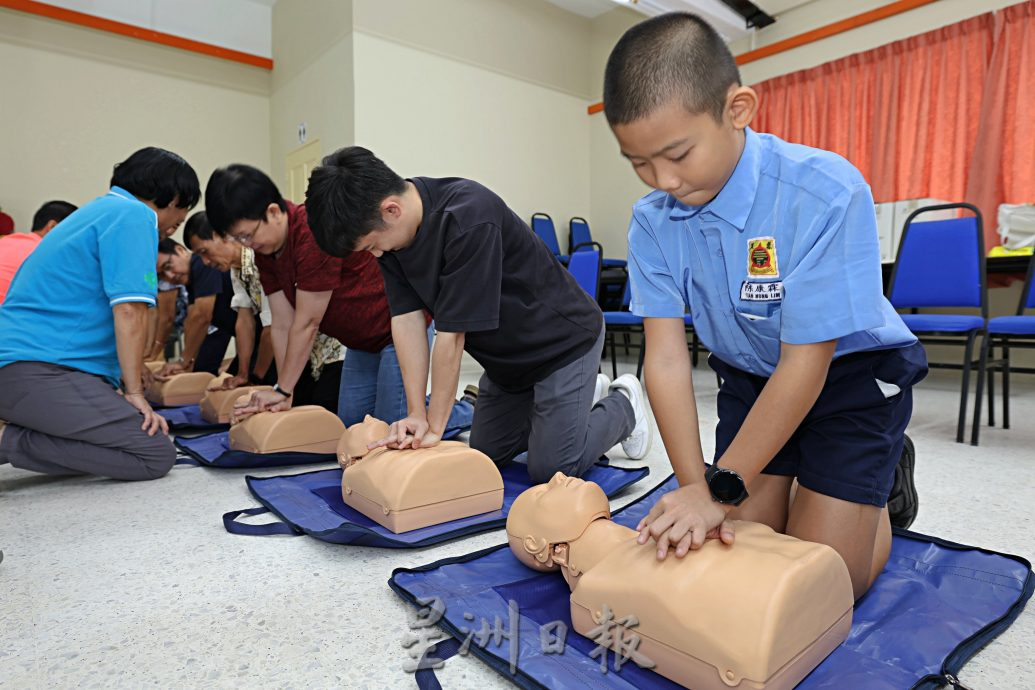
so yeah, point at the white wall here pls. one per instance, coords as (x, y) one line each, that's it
(81, 101)
(425, 114)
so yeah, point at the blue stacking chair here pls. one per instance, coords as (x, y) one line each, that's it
(579, 235)
(942, 264)
(1006, 332)
(626, 323)
(585, 267)
(542, 225)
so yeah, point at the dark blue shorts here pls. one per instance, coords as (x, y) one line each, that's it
(851, 440)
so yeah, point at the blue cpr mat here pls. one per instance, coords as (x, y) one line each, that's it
(934, 606)
(188, 418)
(310, 503)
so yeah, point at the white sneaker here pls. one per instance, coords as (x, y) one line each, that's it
(603, 384)
(637, 444)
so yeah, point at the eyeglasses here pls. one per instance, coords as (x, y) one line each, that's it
(247, 238)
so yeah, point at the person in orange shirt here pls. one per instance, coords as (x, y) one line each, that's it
(16, 247)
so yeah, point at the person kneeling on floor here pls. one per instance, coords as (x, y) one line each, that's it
(75, 322)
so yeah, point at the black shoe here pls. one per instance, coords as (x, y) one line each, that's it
(903, 503)
(470, 395)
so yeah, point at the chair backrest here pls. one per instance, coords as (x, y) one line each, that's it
(627, 296)
(578, 233)
(542, 225)
(1028, 294)
(585, 267)
(940, 263)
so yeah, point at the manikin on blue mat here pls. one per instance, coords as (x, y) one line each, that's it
(933, 607)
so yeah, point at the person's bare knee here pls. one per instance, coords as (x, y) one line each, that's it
(849, 528)
(767, 502)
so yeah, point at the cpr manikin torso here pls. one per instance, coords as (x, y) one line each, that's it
(179, 389)
(304, 429)
(217, 407)
(404, 490)
(761, 613)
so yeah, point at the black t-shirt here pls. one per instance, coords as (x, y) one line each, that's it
(480, 270)
(205, 282)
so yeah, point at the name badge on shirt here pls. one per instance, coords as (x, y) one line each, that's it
(762, 257)
(752, 291)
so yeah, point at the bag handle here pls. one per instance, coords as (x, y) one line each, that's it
(265, 530)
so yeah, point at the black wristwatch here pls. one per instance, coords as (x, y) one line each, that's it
(278, 389)
(726, 485)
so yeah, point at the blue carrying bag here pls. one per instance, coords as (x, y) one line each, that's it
(311, 503)
(188, 419)
(933, 607)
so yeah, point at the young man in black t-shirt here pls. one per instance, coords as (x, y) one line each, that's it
(452, 247)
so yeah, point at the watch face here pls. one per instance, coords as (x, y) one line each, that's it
(726, 486)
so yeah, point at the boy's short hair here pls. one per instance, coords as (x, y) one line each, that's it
(55, 211)
(168, 246)
(158, 176)
(239, 192)
(343, 200)
(197, 226)
(665, 58)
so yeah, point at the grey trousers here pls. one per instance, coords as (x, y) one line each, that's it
(554, 420)
(64, 421)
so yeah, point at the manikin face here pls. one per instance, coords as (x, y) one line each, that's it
(357, 437)
(557, 512)
(219, 252)
(266, 235)
(690, 156)
(175, 267)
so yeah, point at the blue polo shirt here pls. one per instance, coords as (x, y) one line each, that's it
(786, 252)
(59, 307)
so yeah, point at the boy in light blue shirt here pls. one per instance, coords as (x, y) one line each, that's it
(772, 248)
(74, 327)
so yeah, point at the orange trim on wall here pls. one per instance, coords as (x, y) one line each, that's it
(875, 15)
(42, 9)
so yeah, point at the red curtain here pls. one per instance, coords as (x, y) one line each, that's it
(1002, 167)
(906, 114)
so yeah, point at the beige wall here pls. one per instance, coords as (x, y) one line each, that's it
(312, 78)
(528, 143)
(79, 101)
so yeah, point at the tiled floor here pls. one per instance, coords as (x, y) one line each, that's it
(118, 585)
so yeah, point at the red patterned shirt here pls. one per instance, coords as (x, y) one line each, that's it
(357, 314)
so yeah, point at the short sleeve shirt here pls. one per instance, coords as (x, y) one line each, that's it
(786, 252)
(206, 281)
(479, 269)
(357, 314)
(59, 307)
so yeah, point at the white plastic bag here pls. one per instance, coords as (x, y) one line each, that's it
(1017, 225)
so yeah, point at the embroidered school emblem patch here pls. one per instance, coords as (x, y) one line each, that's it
(762, 257)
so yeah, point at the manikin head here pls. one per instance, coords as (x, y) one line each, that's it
(354, 442)
(551, 515)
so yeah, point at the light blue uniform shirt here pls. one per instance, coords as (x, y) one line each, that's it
(806, 217)
(58, 309)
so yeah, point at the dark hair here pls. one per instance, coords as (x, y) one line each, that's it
(55, 211)
(168, 246)
(239, 192)
(158, 176)
(197, 226)
(672, 56)
(343, 200)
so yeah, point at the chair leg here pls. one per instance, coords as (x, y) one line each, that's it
(625, 339)
(614, 357)
(693, 349)
(991, 381)
(967, 356)
(1006, 382)
(976, 428)
(643, 353)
